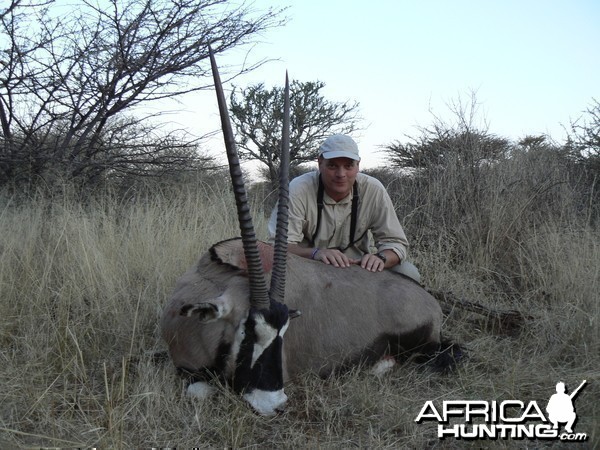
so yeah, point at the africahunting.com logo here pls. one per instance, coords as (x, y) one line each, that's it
(509, 419)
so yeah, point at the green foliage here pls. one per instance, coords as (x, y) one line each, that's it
(257, 113)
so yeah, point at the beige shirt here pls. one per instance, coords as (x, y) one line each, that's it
(376, 222)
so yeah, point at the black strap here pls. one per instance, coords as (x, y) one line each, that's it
(353, 213)
(320, 192)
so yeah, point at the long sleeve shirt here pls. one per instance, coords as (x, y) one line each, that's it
(377, 223)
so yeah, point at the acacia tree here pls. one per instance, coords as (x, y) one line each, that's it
(67, 81)
(257, 114)
(437, 147)
(461, 141)
(456, 154)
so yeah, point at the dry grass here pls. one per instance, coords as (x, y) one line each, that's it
(83, 286)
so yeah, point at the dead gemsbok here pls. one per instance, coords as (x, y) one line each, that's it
(221, 321)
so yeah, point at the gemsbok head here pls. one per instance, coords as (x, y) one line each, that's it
(222, 322)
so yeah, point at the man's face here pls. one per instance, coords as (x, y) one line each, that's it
(338, 175)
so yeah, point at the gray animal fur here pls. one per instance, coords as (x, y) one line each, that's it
(344, 312)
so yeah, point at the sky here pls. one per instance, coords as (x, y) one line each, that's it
(532, 66)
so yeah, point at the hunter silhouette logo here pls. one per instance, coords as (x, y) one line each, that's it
(560, 407)
(508, 419)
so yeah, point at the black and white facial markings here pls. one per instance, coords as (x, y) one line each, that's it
(259, 362)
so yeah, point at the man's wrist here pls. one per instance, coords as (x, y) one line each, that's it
(381, 256)
(391, 257)
(314, 252)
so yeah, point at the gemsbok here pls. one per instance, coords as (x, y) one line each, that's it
(221, 322)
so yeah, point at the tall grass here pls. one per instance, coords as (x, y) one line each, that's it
(83, 284)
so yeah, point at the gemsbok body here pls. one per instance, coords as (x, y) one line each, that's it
(220, 322)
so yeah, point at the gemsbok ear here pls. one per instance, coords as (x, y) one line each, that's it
(206, 311)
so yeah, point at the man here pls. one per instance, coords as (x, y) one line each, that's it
(331, 212)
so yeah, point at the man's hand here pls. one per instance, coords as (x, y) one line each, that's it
(372, 263)
(334, 257)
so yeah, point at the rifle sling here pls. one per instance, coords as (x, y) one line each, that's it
(353, 213)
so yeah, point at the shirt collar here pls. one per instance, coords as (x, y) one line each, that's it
(328, 200)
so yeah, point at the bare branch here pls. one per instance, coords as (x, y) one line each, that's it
(66, 80)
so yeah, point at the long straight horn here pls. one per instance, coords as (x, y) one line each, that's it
(259, 298)
(277, 289)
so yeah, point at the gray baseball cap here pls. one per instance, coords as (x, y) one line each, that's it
(339, 146)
